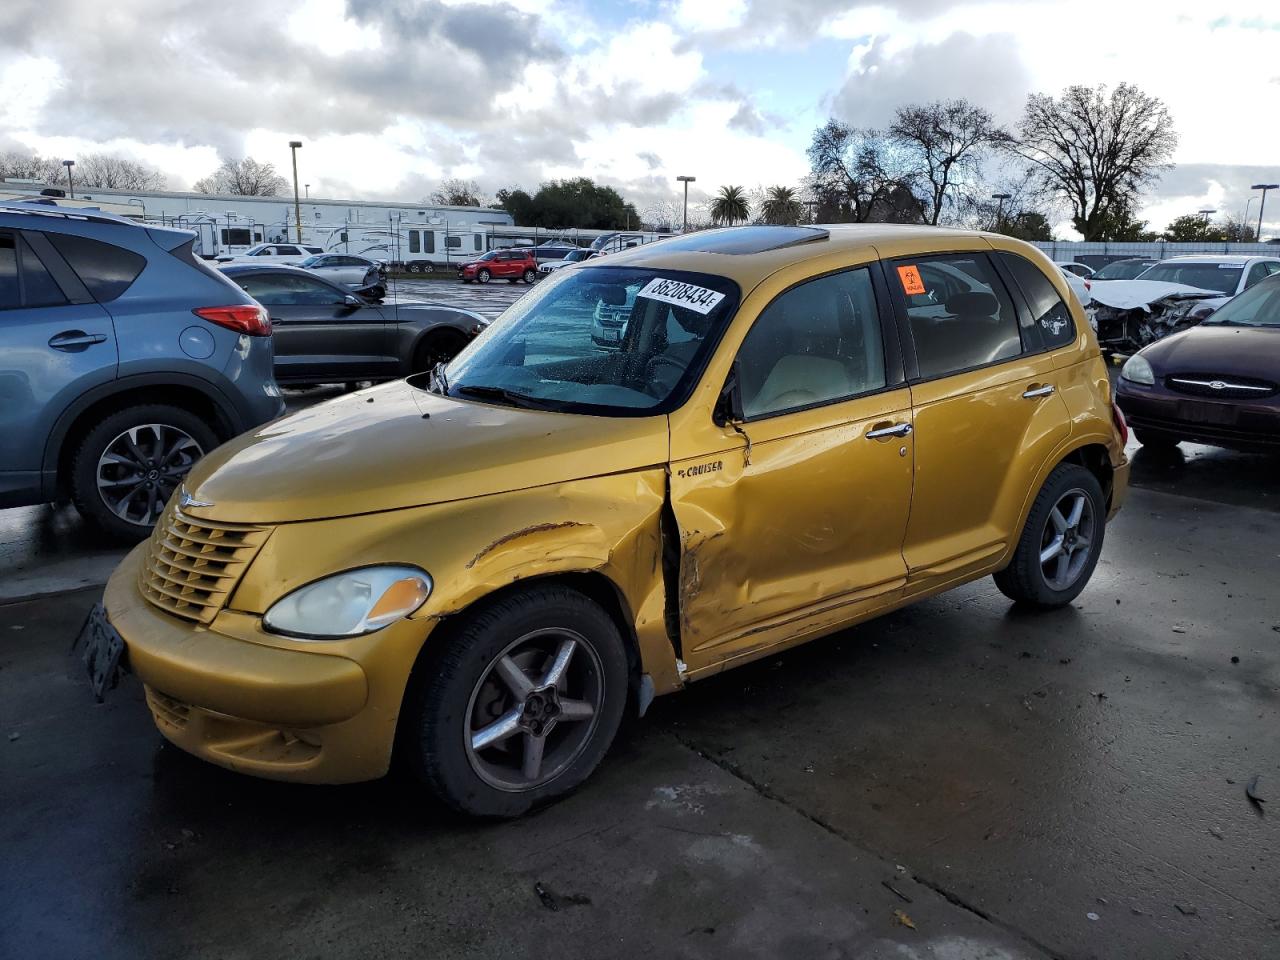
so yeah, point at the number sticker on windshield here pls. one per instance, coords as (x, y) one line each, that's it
(699, 299)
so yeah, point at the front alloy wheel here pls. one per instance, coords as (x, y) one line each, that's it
(483, 276)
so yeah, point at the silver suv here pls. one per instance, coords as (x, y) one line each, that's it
(123, 359)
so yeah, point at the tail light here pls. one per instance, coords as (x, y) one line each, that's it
(242, 318)
(1121, 427)
(1088, 284)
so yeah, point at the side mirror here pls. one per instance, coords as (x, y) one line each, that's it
(728, 408)
(351, 301)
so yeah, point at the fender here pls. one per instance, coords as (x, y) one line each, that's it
(57, 436)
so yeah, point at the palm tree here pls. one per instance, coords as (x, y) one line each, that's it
(781, 206)
(730, 206)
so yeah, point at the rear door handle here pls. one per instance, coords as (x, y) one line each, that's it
(1034, 392)
(71, 339)
(896, 430)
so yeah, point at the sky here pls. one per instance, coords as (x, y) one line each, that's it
(391, 96)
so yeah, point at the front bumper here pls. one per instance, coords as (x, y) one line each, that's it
(268, 710)
(1227, 423)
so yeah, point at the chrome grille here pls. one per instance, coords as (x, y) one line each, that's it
(193, 565)
(1224, 386)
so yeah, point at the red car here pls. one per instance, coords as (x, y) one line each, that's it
(510, 265)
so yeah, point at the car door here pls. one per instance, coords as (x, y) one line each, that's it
(321, 333)
(986, 414)
(802, 528)
(56, 342)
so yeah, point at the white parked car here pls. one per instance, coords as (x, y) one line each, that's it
(1078, 284)
(1226, 274)
(274, 253)
(1082, 270)
(574, 256)
(345, 268)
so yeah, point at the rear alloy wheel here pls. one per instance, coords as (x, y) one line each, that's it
(129, 465)
(520, 704)
(1060, 543)
(530, 276)
(483, 276)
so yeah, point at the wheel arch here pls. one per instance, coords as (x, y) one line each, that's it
(78, 419)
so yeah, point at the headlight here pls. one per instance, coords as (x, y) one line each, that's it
(1137, 370)
(349, 604)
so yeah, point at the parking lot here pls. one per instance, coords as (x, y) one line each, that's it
(959, 779)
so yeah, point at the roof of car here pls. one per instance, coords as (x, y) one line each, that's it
(234, 268)
(1219, 258)
(749, 254)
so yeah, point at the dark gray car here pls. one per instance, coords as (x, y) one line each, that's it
(327, 334)
(123, 360)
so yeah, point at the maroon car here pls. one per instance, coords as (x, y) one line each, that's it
(1217, 383)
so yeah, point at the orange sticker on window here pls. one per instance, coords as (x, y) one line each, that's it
(912, 285)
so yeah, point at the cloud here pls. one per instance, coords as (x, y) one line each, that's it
(986, 70)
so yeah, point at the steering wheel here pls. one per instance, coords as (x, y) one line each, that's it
(656, 377)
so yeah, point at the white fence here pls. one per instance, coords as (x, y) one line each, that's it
(1106, 251)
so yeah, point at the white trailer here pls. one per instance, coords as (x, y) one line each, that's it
(410, 246)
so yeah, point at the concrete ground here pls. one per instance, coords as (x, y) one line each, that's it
(1011, 785)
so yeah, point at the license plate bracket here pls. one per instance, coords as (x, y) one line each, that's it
(1219, 414)
(104, 652)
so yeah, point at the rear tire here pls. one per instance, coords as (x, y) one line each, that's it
(492, 728)
(129, 464)
(1060, 543)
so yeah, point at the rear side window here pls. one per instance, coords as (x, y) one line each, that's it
(38, 286)
(959, 313)
(1048, 313)
(105, 269)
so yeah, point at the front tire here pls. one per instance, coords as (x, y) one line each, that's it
(483, 276)
(530, 276)
(1060, 543)
(519, 705)
(128, 465)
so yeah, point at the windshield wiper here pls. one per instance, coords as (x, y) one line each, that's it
(507, 396)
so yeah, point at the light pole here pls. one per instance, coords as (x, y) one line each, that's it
(71, 186)
(686, 181)
(1264, 187)
(1001, 198)
(307, 187)
(297, 204)
(1244, 221)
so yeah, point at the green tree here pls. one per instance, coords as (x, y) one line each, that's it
(576, 202)
(1194, 228)
(780, 206)
(730, 206)
(1028, 225)
(518, 203)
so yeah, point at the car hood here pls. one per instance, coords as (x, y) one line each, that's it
(1242, 351)
(396, 446)
(1131, 294)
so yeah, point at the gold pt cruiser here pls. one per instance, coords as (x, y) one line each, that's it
(649, 469)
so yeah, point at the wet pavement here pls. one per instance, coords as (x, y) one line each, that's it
(1065, 785)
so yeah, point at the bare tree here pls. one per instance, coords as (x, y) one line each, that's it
(459, 193)
(30, 166)
(1237, 231)
(244, 178)
(114, 172)
(1097, 151)
(863, 173)
(946, 140)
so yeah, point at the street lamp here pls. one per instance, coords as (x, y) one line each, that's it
(686, 181)
(297, 204)
(307, 187)
(1264, 187)
(1245, 219)
(1001, 197)
(1207, 213)
(71, 184)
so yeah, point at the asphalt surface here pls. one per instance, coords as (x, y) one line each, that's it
(1017, 785)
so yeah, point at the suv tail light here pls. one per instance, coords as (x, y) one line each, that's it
(1121, 426)
(242, 318)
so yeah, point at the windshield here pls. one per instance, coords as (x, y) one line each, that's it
(312, 261)
(1224, 277)
(609, 341)
(1123, 270)
(575, 255)
(1259, 306)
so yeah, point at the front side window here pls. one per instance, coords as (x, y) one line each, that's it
(959, 313)
(1257, 272)
(1049, 314)
(105, 269)
(607, 341)
(817, 343)
(287, 290)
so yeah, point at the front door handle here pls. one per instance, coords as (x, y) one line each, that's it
(73, 339)
(894, 430)
(1033, 392)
